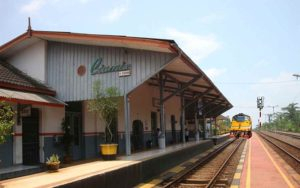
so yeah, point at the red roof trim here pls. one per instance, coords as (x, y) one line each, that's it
(14, 41)
(25, 88)
(64, 35)
(68, 35)
(21, 101)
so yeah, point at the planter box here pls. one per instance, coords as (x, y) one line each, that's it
(52, 167)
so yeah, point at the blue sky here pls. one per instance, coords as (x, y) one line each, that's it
(248, 48)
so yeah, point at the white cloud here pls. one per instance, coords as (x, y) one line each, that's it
(196, 46)
(33, 6)
(211, 18)
(212, 73)
(262, 63)
(115, 13)
(84, 1)
(280, 90)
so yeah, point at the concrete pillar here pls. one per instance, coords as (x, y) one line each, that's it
(162, 137)
(197, 136)
(127, 124)
(204, 128)
(182, 118)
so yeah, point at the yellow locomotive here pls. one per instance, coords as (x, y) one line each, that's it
(241, 126)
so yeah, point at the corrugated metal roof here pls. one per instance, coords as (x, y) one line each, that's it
(29, 98)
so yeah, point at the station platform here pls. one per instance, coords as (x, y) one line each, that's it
(263, 167)
(126, 171)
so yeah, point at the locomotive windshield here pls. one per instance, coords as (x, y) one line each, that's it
(240, 118)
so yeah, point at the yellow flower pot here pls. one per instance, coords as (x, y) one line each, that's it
(109, 151)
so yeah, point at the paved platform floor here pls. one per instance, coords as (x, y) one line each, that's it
(81, 171)
(264, 168)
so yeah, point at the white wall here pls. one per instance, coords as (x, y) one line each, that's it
(17, 140)
(32, 60)
(140, 108)
(51, 119)
(93, 124)
(50, 122)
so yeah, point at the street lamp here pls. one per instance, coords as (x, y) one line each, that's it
(273, 107)
(297, 76)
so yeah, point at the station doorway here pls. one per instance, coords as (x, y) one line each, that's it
(30, 138)
(154, 129)
(73, 117)
(173, 124)
(138, 135)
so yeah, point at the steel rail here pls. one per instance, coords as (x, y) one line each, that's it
(214, 179)
(280, 141)
(286, 152)
(287, 134)
(208, 157)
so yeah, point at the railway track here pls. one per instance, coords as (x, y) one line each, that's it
(297, 136)
(211, 171)
(287, 151)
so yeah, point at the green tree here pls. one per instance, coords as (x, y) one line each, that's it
(105, 104)
(288, 120)
(6, 121)
(291, 112)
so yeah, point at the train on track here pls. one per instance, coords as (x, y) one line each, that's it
(241, 126)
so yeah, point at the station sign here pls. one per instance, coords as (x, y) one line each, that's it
(99, 68)
(125, 73)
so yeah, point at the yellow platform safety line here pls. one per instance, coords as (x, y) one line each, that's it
(193, 160)
(240, 167)
(150, 184)
(276, 165)
(176, 169)
(237, 176)
(248, 184)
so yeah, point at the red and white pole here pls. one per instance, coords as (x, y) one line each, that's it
(259, 118)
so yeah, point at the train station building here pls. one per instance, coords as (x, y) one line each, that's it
(48, 76)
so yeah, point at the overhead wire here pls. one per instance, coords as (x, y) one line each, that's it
(259, 83)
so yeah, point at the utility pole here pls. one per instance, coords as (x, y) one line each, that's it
(273, 107)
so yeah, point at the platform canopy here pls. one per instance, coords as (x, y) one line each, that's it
(182, 77)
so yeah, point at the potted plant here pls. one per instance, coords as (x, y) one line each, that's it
(67, 140)
(52, 163)
(105, 104)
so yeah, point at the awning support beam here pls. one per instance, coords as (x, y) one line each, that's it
(181, 73)
(212, 109)
(216, 113)
(197, 97)
(181, 89)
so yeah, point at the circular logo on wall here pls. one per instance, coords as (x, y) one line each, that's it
(81, 70)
